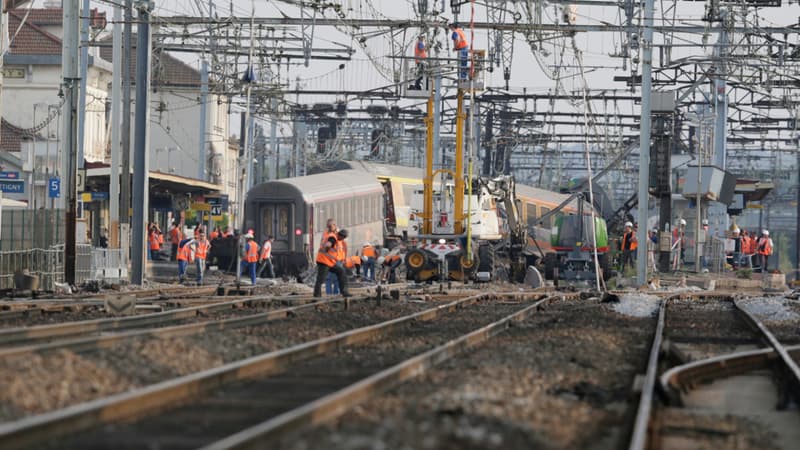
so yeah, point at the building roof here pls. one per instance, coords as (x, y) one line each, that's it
(167, 70)
(11, 137)
(32, 38)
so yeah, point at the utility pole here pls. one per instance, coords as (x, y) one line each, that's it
(116, 89)
(125, 178)
(70, 82)
(84, 71)
(201, 172)
(644, 143)
(140, 182)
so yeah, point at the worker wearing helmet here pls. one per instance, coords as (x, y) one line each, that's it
(764, 249)
(736, 237)
(628, 245)
(330, 258)
(679, 244)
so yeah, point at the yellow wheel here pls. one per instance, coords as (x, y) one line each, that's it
(466, 264)
(415, 259)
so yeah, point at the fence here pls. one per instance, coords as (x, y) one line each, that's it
(102, 264)
(25, 229)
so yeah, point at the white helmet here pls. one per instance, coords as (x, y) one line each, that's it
(628, 224)
(683, 222)
(736, 231)
(765, 232)
(705, 221)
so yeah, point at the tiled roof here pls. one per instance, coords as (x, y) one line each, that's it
(11, 137)
(166, 69)
(31, 38)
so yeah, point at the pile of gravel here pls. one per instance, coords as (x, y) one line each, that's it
(773, 309)
(637, 305)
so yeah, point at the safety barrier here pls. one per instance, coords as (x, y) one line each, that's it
(101, 264)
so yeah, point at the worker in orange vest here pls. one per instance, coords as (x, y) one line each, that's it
(628, 246)
(201, 248)
(266, 258)
(329, 258)
(420, 55)
(371, 255)
(764, 248)
(391, 262)
(175, 237)
(184, 257)
(250, 260)
(154, 240)
(460, 45)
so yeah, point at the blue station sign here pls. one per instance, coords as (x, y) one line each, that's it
(12, 186)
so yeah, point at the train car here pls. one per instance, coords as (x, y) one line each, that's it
(535, 203)
(399, 184)
(295, 210)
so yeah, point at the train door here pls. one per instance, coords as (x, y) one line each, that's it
(277, 219)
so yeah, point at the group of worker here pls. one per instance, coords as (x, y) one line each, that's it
(460, 45)
(746, 246)
(257, 259)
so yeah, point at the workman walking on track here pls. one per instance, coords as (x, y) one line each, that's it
(202, 247)
(329, 259)
(266, 258)
(184, 257)
(460, 45)
(250, 256)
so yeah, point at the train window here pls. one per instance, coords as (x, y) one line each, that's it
(283, 222)
(548, 223)
(268, 218)
(530, 213)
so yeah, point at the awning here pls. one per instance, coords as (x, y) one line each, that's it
(15, 204)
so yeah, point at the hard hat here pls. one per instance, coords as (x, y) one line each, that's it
(248, 236)
(705, 221)
(683, 222)
(628, 224)
(343, 233)
(366, 244)
(736, 230)
(765, 232)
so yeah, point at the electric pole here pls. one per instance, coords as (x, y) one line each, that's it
(140, 181)
(644, 144)
(70, 85)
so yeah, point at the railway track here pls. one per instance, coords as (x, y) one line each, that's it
(306, 383)
(711, 345)
(32, 335)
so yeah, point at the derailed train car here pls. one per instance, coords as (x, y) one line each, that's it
(295, 211)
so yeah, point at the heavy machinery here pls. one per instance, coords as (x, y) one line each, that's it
(573, 258)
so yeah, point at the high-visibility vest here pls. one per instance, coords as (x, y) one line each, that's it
(352, 262)
(251, 252)
(369, 251)
(460, 39)
(390, 259)
(327, 256)
(342, 246)
(175, 235)
(160, 238)
(202, 249)
(266, 250)
(214, 235)
(747, 245)
(154, 244)
(185, 253)
(765, 246)
(633, 243)
(420, 52)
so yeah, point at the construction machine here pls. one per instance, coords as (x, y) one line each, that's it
(573, 259)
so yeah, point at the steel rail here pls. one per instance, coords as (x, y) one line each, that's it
(639, 435)
(787, 360)
(105, 341)
(684, 377)
(38, 333)
(337, 403)
(139, 402)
